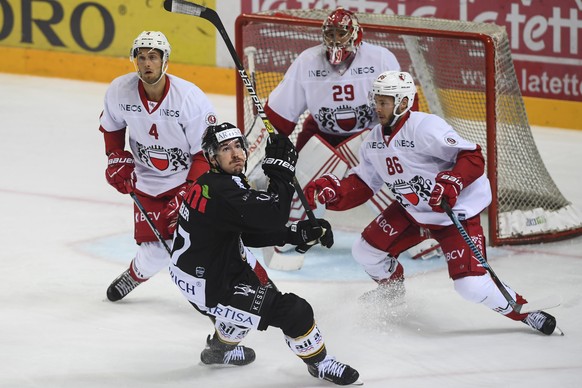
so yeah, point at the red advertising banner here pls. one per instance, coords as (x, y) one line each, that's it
(545, 35)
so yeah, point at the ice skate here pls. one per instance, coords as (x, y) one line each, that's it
(217, 352)
(331, 370)
(121, 286)
(389, 290)
(541, 321)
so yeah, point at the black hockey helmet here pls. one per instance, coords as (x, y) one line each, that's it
(216, 134)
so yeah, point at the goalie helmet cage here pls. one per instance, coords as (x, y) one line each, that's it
(464, 72)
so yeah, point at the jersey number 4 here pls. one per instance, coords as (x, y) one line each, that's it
(154, 132)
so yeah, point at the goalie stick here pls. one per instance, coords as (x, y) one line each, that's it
(145, 214)
(544, 303)
(193, 9)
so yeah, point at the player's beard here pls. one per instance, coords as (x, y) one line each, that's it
(151, 77)
(238, 166)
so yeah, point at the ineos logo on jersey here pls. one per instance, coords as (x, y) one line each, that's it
(362, 70)
(376, 145)
(130, 108)
(318, 73)
(404, 143)
(169, 112)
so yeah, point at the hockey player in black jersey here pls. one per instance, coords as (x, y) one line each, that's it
(220, 216)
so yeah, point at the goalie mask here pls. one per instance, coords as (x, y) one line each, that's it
(342, 35)
(154, 40)
(215, 135)
(397, 84)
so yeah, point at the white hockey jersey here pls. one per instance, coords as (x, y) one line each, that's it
(409, 161)
(163, 136)
(338, 102)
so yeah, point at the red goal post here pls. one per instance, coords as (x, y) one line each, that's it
(464, 72)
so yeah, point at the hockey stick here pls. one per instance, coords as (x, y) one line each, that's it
(192, 9)
(250, 52)
(548, 302)
(145, 214)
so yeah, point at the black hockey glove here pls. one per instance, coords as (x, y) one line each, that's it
(305, 235)
(280, 157)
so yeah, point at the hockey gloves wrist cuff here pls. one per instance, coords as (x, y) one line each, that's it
(280, 157)
(325, 189)
(448, 186)
(305, 234)
(120, 171)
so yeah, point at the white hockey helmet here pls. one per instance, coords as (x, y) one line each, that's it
(398, 84)
(154, 40)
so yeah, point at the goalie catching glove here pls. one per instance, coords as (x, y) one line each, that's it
(280, 157)
(304, 234)
(448, 186)
(120, 171)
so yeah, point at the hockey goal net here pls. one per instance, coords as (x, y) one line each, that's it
(465, 74)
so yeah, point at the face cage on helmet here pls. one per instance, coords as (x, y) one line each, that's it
(338, 53)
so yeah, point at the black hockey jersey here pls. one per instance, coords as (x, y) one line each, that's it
(219, 214)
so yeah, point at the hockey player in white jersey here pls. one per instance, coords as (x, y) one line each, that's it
(423, 161)
(332, 81)
(165, 117)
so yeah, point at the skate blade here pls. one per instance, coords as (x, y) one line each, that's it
(546, 303)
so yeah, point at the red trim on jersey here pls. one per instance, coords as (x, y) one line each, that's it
(394, 130)
(199, 166)
(113, 140)
(144, 98)
(282, 125)
(470, 165)
(352, 192)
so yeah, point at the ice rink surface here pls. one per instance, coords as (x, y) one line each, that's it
(66, 234)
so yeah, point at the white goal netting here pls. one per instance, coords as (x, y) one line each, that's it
(465, 74)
